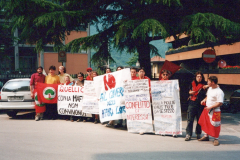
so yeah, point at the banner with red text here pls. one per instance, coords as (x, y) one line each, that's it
(90, 101)
(138, 106)
(166, 107)
(110, 92)
(70, 100)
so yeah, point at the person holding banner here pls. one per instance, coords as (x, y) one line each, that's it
(165, 74)
(108, 70)
(63, 74)
(133, 73)
(35, 78)
(68, 82)
(119, 68)
(210, 119)
(81, 77)
(197, 93)
(141, 73)
(52, 78)
(89, 72)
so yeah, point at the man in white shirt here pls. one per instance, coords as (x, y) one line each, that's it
(210, 119)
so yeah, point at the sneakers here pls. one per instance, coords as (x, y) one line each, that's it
(174, 136)
(188, 137)
(198, 136)
(216, 142)
(141, 133)
(204, 139)
(108, 125)
(37, 117)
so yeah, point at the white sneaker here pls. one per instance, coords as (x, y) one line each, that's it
(141, 133)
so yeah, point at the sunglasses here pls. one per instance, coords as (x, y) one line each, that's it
(89, 71)
(165, 74)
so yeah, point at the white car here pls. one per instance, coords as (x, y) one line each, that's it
(16, 96)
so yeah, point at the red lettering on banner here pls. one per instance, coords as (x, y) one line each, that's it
(137, 117)
(70, 89)
(134, 105)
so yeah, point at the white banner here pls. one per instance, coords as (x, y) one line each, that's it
(70, 100)
(90, 102)
(110, 92)
(166, 107)
(138, 106)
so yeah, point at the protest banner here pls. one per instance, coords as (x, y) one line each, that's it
(90, 102)
(166, 107)
(110, 92)
(70, 100)
(138, 106)
(47, 93)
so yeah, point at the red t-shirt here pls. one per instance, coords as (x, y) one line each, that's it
(134, 78)
(89, 78)
(37, 78)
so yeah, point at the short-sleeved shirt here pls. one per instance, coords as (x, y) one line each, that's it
(61, 77)
(134, 77)
(89, 78)
(37, 78)
(52, 79)
(214, 95)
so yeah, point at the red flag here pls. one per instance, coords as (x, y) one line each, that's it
(207, 123)
(47, 93)
(170, 67)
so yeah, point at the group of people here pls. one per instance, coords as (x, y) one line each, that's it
(204, 101)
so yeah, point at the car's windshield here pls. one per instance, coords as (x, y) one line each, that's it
(14, 86)
(236, 93)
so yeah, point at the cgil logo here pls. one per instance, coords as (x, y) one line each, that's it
(109, 81)
(49, 93)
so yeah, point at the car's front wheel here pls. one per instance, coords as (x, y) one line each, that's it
(12, 113)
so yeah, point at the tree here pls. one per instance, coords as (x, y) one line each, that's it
(128, 24)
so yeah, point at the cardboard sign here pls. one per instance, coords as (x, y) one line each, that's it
(166, 107)
(138, 106)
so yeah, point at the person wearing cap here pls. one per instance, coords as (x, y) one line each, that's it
(35, 78)
(89, 72)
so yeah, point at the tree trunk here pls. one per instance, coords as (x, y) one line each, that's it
(143, 49)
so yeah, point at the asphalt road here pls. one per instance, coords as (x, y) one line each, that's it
(23, 138)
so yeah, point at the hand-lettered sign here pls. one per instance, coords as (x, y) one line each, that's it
(166, 107)
(90, 102)
(70, 100)
(110, 92)
(138, 106)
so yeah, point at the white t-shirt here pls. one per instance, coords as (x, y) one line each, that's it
(214, 95)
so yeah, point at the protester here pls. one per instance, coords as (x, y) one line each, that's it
(52, 78)
(119, 68)
(141, 75)
(165, 75)
(108, 70)
(80, 82)
(197, 94)
(68, 82)
(133, 73)
(95, 116)
(81, 77)
(210, 119)
(35, 78)
(63, 74)
(89, 72)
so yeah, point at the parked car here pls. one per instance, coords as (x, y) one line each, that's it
(15, 97)
(235, 101)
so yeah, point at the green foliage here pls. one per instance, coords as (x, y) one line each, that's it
(133, 60)
(128, 25)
